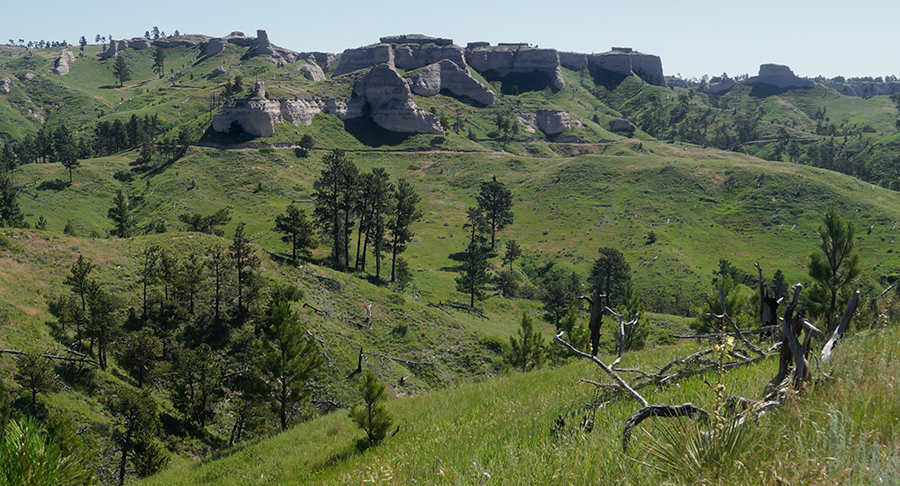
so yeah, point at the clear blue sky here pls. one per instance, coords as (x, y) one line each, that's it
(693, 37)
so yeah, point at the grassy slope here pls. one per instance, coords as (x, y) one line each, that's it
(702, 204)
(498, 432)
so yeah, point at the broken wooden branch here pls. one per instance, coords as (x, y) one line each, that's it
(432, 304)
(841, 328)
(615, 376)
(661, 410)
(317, 311)
(80, 359)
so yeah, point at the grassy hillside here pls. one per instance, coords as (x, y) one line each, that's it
(499, 432)
(670, 178)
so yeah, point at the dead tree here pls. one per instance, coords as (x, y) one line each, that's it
(596, 305)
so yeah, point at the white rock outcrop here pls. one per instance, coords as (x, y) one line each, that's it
(447, 75)
(312, 72)
(551, 122)
(5, 85)
(389, 99)
(62, 62)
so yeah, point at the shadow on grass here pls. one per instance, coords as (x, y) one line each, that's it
(369, 133)
(54, 185)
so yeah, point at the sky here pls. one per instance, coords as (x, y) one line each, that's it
(692, 37)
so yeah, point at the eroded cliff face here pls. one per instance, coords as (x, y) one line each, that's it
(388, 99)
(498, 62)
(779, 76)
(449, 76)
(623, 61)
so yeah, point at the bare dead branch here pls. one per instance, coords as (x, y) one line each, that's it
(841, 328)
(637, 396)
(661, 410)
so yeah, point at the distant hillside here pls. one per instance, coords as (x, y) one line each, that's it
(596, 150)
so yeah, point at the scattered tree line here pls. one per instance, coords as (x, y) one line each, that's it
(379, 211)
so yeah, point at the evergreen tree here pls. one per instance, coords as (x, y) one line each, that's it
(35, 374)
(197, 383)
(28, 456)
(159, 61)
(474, 277)
(245, 261)
(120, 214)
(207, 224)
(404, 213)
(80, 281)
(335, 195)
(135, 422)
(103, 323)
(287, 360)
(496, 201)
(10, 213)
(835, 268)
(527, 350)
(372, 416)
(82, 43)
(140, 354)
(297, 229)
(121, 70)
(632, 307)
(513, 253)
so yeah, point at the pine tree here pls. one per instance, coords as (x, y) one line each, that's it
(372, 416)
(245, 262)
(121, 71)
(135, 422)
(120, 214)
(297, 229)
(496, 201)
(159, 61)
(287, 361)
(35, 374)
(474, 277)
(527, 350)
(404, 213)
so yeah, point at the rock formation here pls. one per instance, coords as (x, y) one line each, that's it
(623, 61)
(312, 72)
(779, 76)
(387, 97)
(447, 75)
(622, 125)
(62, 62)
(720, 87)
(216, 72)
(263, 48)
(364, 57)
(505, 59)
(324, 59)
(551, 122)
(214, 46)
(26, 76)
(5, 85)
(139, 43)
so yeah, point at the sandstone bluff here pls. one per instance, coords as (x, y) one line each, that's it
(434, 66)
